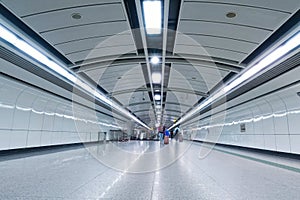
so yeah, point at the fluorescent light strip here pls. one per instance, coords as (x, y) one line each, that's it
(279, 52)
(152, 16)
(32, 52)
(157, 97)
(11, 38)
(156, 77)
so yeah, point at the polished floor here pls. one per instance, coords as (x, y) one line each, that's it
(175, 171)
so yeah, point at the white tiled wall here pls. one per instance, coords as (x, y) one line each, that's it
(32, 118)
(272, 123)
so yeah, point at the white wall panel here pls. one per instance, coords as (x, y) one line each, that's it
(9, 93)
(283, 142)
(18, 139)
(272, 121)
(47, 138)
(34, 138)
(4, 139)
(295, 141)
(270, 142)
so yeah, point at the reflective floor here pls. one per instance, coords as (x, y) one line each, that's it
(84, 173)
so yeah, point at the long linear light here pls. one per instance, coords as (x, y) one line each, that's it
(290, 44)
(26, 48)
(152, 16)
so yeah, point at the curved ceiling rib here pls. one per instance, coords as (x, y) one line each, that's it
(187, 59)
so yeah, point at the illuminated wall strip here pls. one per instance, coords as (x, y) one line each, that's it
(19, 43)
(255, 119)
(27, 109)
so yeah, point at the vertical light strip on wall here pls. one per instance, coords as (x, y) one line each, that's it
(152, 16)
(26, 48)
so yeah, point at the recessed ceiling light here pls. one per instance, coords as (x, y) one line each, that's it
(156, 77)
(152, 16)
(154, 60)
(157, 97)
(231, 15)
(76, 16)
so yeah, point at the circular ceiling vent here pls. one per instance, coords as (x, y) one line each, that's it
(231, 15)
(76, 16)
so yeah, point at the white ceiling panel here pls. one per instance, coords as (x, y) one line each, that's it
(223, 30)
(288, 6)
(210, 41)
(218, 52)
(195, 78)
(175, 107)
(141, 106)
(96, 42)
(137, 98)
(90, 30)
(118, 78)
(63, 18)
(246, 15)
(30, 7)
(184, 98)
(82, 55)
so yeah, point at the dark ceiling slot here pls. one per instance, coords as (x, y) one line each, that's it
(172, 24)
(134, 24)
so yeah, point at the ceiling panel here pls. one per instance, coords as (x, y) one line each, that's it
(141, 106)
(83, 55)
(30, 7)
(60, 19)
(90, 30)
(119, 77)
(223, 30)
(99, 19)
(211, 41)
(246, 15)
(229, 38)
(96, 42)
(184, 98)
(291, 6)
(219, 52)
(196, 78)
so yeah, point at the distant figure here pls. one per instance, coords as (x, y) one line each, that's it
(166, 137)
(167, 132)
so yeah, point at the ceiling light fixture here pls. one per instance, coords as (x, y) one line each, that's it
(157, 97)
(156, 77)
(15, 40)
(154, 60)
(152, 16)
(279, 52)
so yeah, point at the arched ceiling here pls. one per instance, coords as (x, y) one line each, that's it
(199, 49)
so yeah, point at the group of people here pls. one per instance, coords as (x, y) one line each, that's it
(165, 134)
